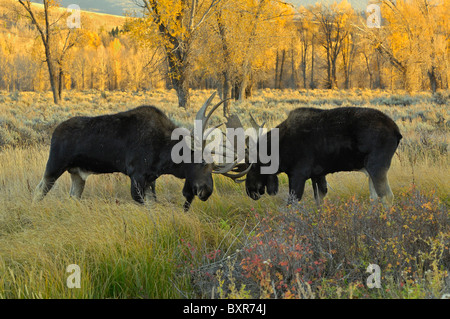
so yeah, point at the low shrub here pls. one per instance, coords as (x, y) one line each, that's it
(303, 252)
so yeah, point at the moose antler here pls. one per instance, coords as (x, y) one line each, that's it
(255, 124)
(236, 170)
(233, 170)
(203, 118)
(201, 114)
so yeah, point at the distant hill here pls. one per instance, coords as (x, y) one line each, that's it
(114, 7)
(119, 7)
(91, 20)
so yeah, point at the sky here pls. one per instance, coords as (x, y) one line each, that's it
(117, 7)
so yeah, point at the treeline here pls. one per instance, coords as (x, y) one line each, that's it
(230, 45)
(97, 56)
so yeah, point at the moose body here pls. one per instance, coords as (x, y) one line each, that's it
(315, 142)
(136, 143)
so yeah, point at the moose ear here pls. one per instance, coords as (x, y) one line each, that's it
(272, 184)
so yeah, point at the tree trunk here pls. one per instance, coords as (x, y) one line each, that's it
(346, 68)
(312, 84)
(280, 78)
(328, 83)
(346, 80)
(235, 90)
(294, 73)
(378, 79)
(249, 90)
(368, 71)
(182, 88)
(60, 82)
(226, 92)
(333, 74)
(276, 72)
(303, 67)
(51, 74)
(178, 75)
(45, 36)
(242, 87)
(433, 80)
(177, 53)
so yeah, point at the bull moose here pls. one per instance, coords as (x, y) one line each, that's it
(316, 142)
(136, 143)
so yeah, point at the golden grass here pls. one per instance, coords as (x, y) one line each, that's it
(127, 250)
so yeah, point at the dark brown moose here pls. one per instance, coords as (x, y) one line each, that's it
(316, 142)
(136, 143)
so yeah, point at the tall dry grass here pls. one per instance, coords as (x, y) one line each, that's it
(126, 250)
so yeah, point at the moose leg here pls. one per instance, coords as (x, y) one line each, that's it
(55, 167)
(382, 188)
(319, 185)
(78, 177)
(137, 189)
(46, 183)
(44, 186)
(189, 195)
(373, 192)
(150, 192)
(296, 188)
(377, 166)
(380, 184)
(77, 185)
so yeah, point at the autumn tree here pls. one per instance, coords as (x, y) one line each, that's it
(238, 48)
(349, 50)
(265, 25)
(334, 25)
(225, 53)
(175, 25)
(414, 39)
(307, 29)
(418, 31)
(57, 39)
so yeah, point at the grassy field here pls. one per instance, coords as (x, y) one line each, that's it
(229, 246)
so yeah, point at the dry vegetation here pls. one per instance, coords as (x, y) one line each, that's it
(229, 246)
(239, 46)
